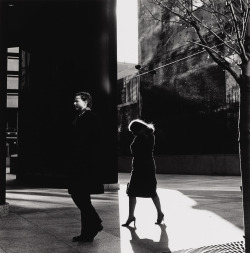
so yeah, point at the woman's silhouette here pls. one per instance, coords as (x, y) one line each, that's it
(143, 180)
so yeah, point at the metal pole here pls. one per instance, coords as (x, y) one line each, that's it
(3, 98)
(139, 96)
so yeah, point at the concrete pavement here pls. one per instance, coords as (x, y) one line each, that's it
(202, 214)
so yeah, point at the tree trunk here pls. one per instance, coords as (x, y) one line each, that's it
(244, 128)
(244, 137)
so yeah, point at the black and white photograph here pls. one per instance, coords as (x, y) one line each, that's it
(124, 126)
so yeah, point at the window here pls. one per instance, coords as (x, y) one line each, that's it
(13, 63)
(12, 82)
(128, 90)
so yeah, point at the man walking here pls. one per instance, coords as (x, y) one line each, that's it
(85, 178)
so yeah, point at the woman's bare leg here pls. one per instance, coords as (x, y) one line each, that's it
(131, 217)
(157, 203)
(132, 204)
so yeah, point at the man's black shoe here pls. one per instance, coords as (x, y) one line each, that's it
(81, 238)
(95, 231)
(90, 237)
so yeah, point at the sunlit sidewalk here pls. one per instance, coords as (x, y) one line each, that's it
(200, 211)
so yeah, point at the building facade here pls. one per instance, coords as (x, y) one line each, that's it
(13, 63)
(128, 103)
(192, 102)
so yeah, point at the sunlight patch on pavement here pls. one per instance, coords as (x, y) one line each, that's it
(37, 198)
(186, 227)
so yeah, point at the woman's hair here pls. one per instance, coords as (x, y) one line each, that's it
(85, 96)
(138, 124)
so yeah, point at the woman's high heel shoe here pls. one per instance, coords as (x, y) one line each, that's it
(128, 222)
(160, 219)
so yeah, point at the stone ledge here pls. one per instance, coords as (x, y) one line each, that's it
(4, 210)
(213, 164)
(108, 187)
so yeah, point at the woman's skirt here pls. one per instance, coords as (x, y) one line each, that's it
(143, 186)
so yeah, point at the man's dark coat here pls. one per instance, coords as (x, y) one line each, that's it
(86, 173)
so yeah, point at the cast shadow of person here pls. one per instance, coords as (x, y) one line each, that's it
(148, 245)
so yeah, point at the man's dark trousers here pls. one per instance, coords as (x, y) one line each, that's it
(90, 219)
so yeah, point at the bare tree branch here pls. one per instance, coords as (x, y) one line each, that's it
(208, 47)
(214, 51)
(152, 14)
(229, 2)
(245, 18)
(160, 20)
(219, 60)
(188, 16)
(213, 10)
(170, 37)
(190, 21)
(210, 30)
(159, 3)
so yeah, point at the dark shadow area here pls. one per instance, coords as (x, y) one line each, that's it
(19, 205)
(24, 210)
(185, 126)
(190, 113)
(66, 46)
(35, 182)
(222, 203)
(138, 244)
(35, 189)
(36, 201)
(38, 193)
(65, 194)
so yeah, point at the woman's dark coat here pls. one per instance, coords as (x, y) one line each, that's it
(86, 173)
(143, 180)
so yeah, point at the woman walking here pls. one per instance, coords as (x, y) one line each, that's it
(143, 179)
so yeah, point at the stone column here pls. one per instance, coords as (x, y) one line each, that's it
(4, 207)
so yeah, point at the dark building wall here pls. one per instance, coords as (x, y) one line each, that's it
(71, 46)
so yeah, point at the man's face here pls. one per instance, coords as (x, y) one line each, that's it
(79, 103)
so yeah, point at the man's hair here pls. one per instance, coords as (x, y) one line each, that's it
(85, 96)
